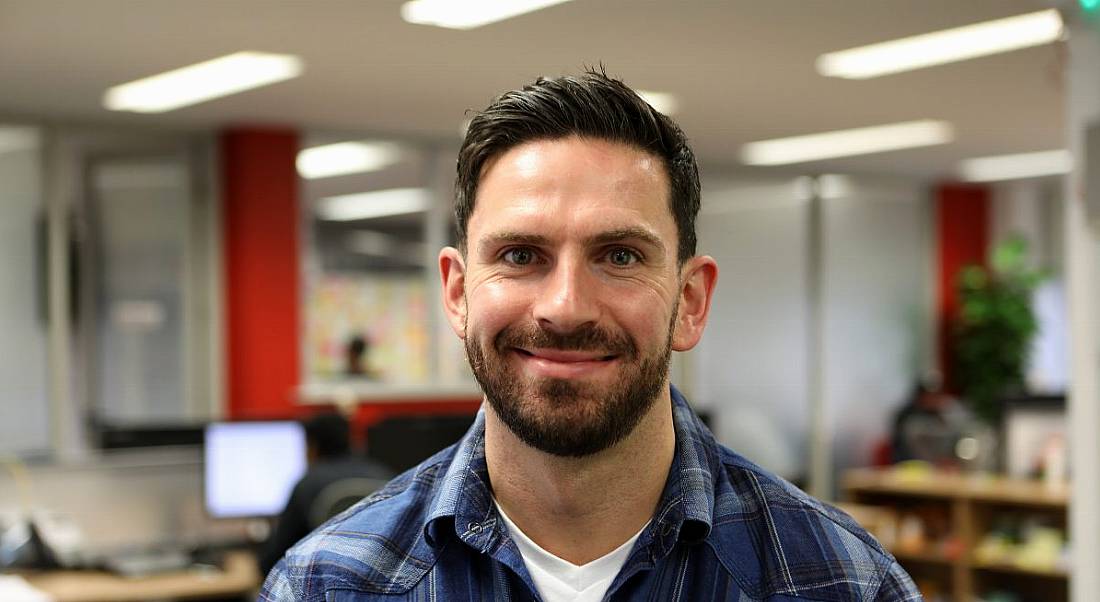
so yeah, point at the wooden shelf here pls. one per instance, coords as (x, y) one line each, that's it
(1017, 570)
(925, 556)
(954, 486)
(971, 502)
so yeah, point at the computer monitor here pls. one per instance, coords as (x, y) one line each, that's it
(250, 468)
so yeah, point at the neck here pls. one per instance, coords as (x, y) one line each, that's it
(579, 509)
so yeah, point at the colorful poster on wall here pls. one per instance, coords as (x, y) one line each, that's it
(371, 327)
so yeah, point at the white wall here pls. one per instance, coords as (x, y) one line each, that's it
(752, 368)
(878, 309)
(24, 411)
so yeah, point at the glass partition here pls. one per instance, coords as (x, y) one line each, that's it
(371, 298)
(139, 210)
(24, 398)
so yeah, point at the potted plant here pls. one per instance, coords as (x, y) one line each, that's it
(995, 327)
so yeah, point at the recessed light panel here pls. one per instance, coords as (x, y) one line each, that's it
(946, 46)
(346, 158)
(468, 14)
(374, 204)
(846, 143)
(201, 82)
(1014, 167)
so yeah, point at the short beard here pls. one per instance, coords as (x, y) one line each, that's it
(562, 417)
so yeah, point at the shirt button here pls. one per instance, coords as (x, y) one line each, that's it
(474, 528)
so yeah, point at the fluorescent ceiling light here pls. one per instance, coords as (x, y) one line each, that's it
(846, 143)
(946, 46)
(17, 138)
(345, 158)
(662, 101)
(468, 14)
(204, 81)
(1012, 167)
(369, 205)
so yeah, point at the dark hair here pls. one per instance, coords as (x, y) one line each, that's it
(591, 105)
(328, 434)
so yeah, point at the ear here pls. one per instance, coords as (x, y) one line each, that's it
(452, 275)
(697, 279)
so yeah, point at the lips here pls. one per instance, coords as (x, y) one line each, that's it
(563, 364)
(564, 356)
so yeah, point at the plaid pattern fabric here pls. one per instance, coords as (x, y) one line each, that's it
(725, 529)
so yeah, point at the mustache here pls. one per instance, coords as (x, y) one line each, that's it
(588, 337)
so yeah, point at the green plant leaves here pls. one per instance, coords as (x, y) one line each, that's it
(995, 327)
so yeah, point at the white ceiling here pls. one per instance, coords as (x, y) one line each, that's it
(743, 70)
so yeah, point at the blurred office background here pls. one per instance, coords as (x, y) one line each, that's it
(267, 253)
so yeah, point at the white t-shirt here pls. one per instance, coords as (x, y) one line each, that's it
(560, 580)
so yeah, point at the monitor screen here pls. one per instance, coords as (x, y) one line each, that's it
(250, 468)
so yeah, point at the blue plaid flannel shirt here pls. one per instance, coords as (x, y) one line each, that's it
(725, 529)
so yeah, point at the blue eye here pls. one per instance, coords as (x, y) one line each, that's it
(519, 256)
(622, 257)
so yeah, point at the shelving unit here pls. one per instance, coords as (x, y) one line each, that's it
(970, 506)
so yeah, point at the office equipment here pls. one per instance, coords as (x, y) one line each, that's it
(112, 436)
(143, 563)
(250, 468)
(238, 577)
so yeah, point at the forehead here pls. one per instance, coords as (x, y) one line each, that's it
(572, 183)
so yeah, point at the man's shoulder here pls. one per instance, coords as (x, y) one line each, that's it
(780, 540)
(375, 546)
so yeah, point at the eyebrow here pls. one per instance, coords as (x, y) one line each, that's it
(622, 234)
(511, 238)
(602, 238)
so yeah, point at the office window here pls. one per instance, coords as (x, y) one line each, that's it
(144, 352)
(139, 211)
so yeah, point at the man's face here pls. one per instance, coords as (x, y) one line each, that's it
(569, 291)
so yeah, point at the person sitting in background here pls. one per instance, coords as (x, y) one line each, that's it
(334, 480)
(928, 426)
(356, 354)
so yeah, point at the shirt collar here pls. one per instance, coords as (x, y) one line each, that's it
(464, 492)
(463, 503)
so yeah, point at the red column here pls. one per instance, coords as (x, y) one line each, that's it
(260, 245)
(962, 219)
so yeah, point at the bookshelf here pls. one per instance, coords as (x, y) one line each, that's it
(951, 557)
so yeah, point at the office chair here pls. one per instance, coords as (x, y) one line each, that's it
(339, 496)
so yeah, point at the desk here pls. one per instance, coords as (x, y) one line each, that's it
(239, 577)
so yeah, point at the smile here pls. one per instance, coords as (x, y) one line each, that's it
(556, 363)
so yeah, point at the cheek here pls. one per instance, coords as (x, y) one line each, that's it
(494, 305)
(646, 323)
(644, 311)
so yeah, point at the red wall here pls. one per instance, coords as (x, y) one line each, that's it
(962, 219)
(260, 242)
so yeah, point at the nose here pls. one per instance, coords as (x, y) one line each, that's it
(569, 297)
